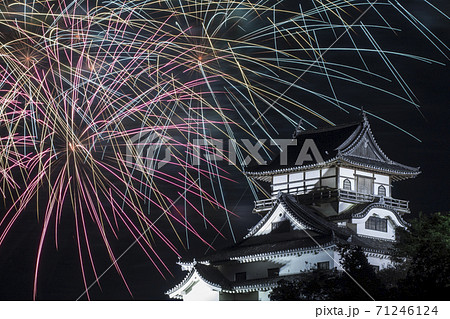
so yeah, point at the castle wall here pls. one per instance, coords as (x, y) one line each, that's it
(392, 222)
(351, 175)
(201, 291)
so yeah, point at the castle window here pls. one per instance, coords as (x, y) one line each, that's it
(382, 191)
(241, 276)
(364, 185)
(376, 223)
(347, 184)
(273, 272)
(325, 265)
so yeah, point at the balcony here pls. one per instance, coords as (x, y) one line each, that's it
(324, 195)
(358, 198)
(263, 205)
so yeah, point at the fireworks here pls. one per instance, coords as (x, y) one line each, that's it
(87, 88)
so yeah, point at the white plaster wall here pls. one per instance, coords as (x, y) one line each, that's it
(295, 177)
(201, 292)
(312, 174)
(264, 295)
(327, 172)
(307, 261)
(309, 180)
(277, 179)
(277, 216)
(363, 173)
(380, 262)
(254, 270)
(280, 187)
(382, 180)
(381, 213)
(346, 172)
(289, 265)
(379, 179)
(296, 185)
(279, 183)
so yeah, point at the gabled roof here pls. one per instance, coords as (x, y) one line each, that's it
(358, 211)
(209, 275)
(351, 144)
(320, 234)
(264, 246)
(300, 215)
(222, 284)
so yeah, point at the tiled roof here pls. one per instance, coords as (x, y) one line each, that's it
(212, 276)
(262, 283)
(340, 144)
(302, 214)
(392, 167)
(327, 141)
(324, 233)
(306, 215)
(216, 279)
(351, 211)
(361, 210)
(270, 244)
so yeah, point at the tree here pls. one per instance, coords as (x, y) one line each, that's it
(423, 250)
(357, 281)
(312, 285)
(421, 269)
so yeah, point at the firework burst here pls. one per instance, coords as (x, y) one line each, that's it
(84, 88)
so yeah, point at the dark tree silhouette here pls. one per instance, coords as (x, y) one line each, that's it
(358, 281)
(422, 252)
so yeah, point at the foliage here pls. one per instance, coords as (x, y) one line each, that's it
(423, 251)
(314, 285)
(357, 281)
(421, 269)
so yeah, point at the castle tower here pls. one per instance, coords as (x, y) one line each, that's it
(340, 172)
(332, 186)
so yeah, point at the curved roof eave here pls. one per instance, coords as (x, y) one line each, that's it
(409, 172)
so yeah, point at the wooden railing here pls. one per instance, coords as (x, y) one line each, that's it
(265, 205)
(354, 197)
(351, 196)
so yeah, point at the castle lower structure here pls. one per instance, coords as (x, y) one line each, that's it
(333, 187)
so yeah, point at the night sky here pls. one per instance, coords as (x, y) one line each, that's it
(60, 277)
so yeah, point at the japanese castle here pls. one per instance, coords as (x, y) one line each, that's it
(341, 194)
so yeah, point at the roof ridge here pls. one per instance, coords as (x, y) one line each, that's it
(328, 128)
